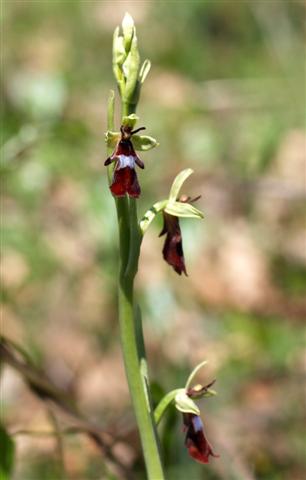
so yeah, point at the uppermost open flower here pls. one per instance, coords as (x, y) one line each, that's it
(124, 177)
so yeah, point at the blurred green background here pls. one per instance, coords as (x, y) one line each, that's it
(226, 97)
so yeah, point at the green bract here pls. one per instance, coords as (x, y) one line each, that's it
(184, 404)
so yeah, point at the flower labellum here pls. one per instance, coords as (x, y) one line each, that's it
(173, 246)
(125, 177)
(195, 441)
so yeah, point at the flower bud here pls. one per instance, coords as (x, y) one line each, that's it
(126, 63)
(131, 69)
(128, 30)
(119, 53)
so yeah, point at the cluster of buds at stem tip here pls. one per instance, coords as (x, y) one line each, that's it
(126, 62)
(195, 440)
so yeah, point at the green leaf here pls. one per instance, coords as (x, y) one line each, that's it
(7, 454)
(144, 70)
(184, 404)
(180, 209)
(178, 182)
(144, 142)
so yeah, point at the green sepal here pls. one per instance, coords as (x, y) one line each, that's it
(181, 209)
(112, 138)
(184, 404)
(130, 121)
(178, 182)
(144, 142)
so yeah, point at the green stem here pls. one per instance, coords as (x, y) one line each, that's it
(137, 385)
(130, 237)
(135, 240)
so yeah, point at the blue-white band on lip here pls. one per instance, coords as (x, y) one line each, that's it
(126, 161)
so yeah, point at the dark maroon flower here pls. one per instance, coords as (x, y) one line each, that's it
(125, 177)
(173, 246)
(195, 441)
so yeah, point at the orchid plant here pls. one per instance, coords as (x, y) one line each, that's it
(121, 164)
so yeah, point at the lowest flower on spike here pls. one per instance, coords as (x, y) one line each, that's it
(195, 440)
